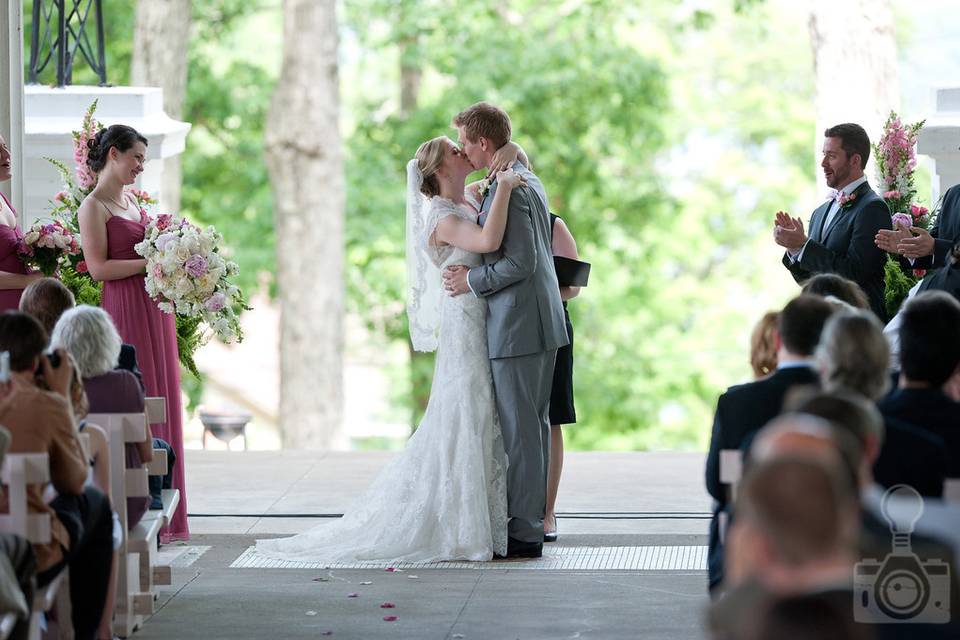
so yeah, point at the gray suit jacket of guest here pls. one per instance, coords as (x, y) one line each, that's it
(524, 311)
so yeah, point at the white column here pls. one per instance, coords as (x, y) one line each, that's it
(11, 96)
(52, 113)
(940, 139)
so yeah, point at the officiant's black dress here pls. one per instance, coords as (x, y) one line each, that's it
(562, 410)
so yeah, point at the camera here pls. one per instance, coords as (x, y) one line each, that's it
(52, 357)
(901, 589)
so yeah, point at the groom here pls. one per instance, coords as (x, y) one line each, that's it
(525, 325)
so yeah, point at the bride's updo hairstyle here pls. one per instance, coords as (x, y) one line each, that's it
(116, 135)
(429, 158)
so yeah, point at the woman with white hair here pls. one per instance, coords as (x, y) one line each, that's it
(88, 334)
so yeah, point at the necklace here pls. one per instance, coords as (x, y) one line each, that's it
(123, 206)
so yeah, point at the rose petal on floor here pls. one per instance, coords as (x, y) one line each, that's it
(388, 605)
(366, 582)
(390, 569)
(390, 618)
(326, 633)
(311, 613)
(353, 595)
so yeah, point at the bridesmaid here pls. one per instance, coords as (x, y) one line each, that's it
(562, 410)
(14, 275)
(111, 224)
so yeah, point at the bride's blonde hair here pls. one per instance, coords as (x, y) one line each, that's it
(429, 158)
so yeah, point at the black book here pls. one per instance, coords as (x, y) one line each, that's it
(571, 273)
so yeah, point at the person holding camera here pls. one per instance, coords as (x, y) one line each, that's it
(35, 407)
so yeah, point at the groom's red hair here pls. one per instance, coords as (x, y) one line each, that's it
(484, 120)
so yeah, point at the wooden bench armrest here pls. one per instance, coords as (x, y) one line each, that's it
(158, 466)
(156, 410)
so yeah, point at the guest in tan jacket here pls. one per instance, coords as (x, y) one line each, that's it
(35, 408)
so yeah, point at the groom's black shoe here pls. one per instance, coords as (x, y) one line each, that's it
(520, 549)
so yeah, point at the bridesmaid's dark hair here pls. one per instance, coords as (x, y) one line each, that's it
(116, 135)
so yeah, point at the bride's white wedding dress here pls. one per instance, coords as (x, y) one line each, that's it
(444, 496)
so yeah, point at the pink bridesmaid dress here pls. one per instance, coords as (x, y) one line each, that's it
(10, 262)
(154, 334)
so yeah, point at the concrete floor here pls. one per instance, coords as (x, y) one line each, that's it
(209, 599)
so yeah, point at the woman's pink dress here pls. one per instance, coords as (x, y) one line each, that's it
(154, 334)
(10, 262)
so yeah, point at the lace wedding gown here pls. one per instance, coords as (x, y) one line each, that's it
(444, 496)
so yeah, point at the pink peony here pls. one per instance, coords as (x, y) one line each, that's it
(157, 271)
(216, 302)
(82, 266)
(196, 265)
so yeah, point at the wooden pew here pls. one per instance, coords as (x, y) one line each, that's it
(731, 468)
(19, 471)
(131, 604)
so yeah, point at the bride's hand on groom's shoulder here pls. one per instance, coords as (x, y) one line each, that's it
(510, 179)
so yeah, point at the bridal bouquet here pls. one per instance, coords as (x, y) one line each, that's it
(46, 246)
(187, 275)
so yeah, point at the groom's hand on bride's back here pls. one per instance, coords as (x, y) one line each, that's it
(455, 279)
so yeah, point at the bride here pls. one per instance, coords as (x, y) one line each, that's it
(444, 496)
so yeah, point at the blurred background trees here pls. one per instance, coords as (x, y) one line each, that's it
(666, 137)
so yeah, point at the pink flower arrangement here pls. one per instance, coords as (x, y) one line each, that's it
(46, 245)
(86, 178)
(891, 195)
(896, 160)
(918, 212)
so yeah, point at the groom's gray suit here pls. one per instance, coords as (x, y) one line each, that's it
(525, 327)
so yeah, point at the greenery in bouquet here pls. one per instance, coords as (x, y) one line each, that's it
(896, 161)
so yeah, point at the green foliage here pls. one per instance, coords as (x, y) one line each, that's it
(898, 284)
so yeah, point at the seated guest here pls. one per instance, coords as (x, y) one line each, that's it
(41, 421)
(745, 408)
(807, 616)
(794, 533)
(47, 298)
(832, 285)
(18, 567)
(88, 334)
(857, 421)
(853, 356)
(929, 359)
(811, 436)
(763, 346)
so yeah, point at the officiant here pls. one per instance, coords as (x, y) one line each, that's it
(570, 274)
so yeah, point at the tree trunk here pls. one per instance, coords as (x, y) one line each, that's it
(305, 161)
(855, 62)
(161, 36)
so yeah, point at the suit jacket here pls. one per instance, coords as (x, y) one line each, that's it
(943, 275)
(742, 411)
(524, 311)
(911, 455)
(931, 411)
(847, 246)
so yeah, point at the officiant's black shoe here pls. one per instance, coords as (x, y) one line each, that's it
(549, 536)
(520, 549)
